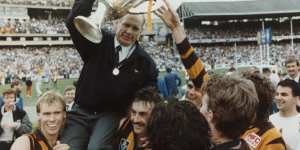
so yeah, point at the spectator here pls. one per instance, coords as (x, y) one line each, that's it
(28, 83)
(287, 119)
(172, 81)
(16, 85)
(69, 97)
(38, 81)
(272, 76)
(231, 70)
(14, 121)
(292, 66)
(162, 87)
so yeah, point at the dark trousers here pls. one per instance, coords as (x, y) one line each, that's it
(90, 131)
(5, 145)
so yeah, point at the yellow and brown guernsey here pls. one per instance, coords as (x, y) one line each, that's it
(124, 138)
(269, 137)
(38, 141)
(192, 63)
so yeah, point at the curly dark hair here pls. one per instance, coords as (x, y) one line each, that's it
(178, 126)
(148, 94)
(265, 91)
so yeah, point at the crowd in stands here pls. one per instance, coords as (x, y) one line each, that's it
(44, 61)
(219, 34)
(57, 26)
(33, 26)
(223, 55)
(245, 54)
(239, 30)
(66, 59)
(163, 56)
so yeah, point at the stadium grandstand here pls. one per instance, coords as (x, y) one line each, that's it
(36, 49)
(227, 32)
(245, 32)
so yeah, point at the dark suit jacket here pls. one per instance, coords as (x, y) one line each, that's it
(97, 88)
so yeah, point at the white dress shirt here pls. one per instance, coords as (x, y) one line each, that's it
(125, 52)
(69, 106)
(295, 79)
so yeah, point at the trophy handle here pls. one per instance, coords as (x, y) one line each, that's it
(90, 27)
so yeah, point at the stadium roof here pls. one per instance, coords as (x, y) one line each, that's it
(237, 9)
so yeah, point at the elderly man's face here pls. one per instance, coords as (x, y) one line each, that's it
(129, 29)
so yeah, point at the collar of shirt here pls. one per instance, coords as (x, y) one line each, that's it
(69, 106)
(295, 79)
(126, 50)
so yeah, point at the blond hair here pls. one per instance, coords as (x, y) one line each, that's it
(50, 98)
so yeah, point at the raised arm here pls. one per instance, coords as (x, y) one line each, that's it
(191, 61)
(80, 8)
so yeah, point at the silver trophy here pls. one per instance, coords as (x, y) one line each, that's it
(90, 27)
